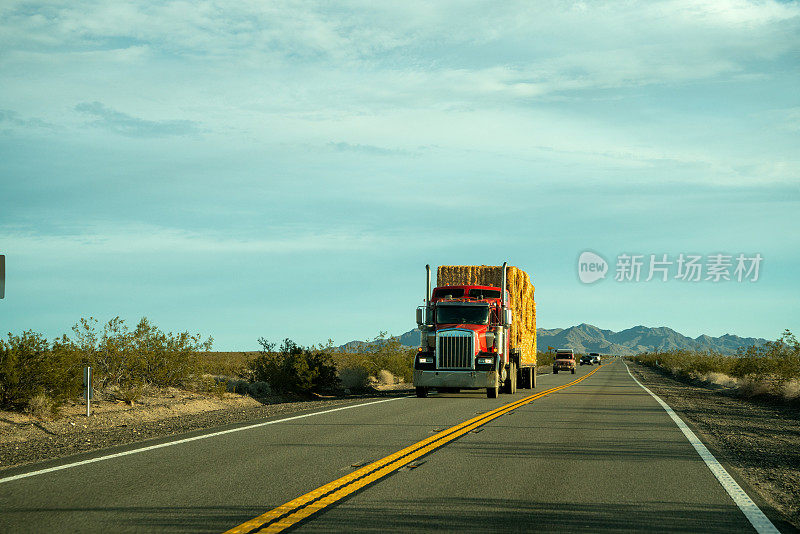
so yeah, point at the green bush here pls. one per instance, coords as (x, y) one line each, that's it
(545, 358)
(687, 362)
(131, 360)
(123, 361)
(776, 361)
(382, 353)
(293, 369)
(31, 369)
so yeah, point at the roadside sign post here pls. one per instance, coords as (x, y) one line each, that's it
(2, 276)
(88, 392)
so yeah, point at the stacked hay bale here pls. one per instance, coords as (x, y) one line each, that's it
(523, 307)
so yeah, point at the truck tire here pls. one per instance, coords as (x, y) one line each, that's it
(422, 392)
(573, 370)
(555, 371)
(491, 393)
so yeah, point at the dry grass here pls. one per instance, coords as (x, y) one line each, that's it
(42, 407)
(771, 370)
(385, 378)
(231, 364)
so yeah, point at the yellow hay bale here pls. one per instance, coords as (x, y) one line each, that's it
(522, 335)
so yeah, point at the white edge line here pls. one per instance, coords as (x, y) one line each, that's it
(760, 522)
(185, 440)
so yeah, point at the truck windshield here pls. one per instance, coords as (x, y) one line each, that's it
(462, 314)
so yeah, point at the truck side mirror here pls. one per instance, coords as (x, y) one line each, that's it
(508, 318)
(420, 316)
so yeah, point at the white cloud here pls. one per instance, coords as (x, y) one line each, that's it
(559, 45)
(464, 76)
(124, 124)
(148, 239)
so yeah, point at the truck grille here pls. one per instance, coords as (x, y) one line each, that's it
(455, 349)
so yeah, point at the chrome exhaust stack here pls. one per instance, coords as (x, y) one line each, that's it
(428, 289)
(423, 314)
(503, 289)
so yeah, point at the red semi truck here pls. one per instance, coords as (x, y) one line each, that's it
(465, 341)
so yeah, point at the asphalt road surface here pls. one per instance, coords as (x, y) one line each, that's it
(600, 455)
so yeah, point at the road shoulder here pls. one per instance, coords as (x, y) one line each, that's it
(759, 442)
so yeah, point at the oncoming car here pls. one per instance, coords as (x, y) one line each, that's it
(565, 361)
(595, 356)
(586, 359)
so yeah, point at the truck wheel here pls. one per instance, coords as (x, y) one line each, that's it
(555, 371)
(422, 392)
(573, 370)
(491, 393)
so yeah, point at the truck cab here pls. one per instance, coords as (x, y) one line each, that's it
(462, 345)
(476, 331)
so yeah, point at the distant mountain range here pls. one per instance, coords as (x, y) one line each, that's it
(588, 338)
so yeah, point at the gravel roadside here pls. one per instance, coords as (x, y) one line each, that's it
(760, 441)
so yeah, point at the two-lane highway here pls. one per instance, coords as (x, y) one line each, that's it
(598, 455)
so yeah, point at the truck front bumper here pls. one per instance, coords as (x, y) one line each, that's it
(456, 379)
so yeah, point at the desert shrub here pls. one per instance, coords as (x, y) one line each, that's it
(206, 383)
(41, 406)
(545, 358)
(167, 359)
(30, 367)
(687, 362)
(385, 377)
(354, 369)
(354, 377)
(370, 358)
(232, 364)
(777, 360)
(293, 368)
(126, 362)
(389, 355)
(771, 369)
(259, 389)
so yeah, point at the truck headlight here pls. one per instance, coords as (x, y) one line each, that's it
(485, 361)
(424, 359)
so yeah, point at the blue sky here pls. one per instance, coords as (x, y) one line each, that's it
(248, 169)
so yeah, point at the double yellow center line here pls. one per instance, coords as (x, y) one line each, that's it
(286, 515)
